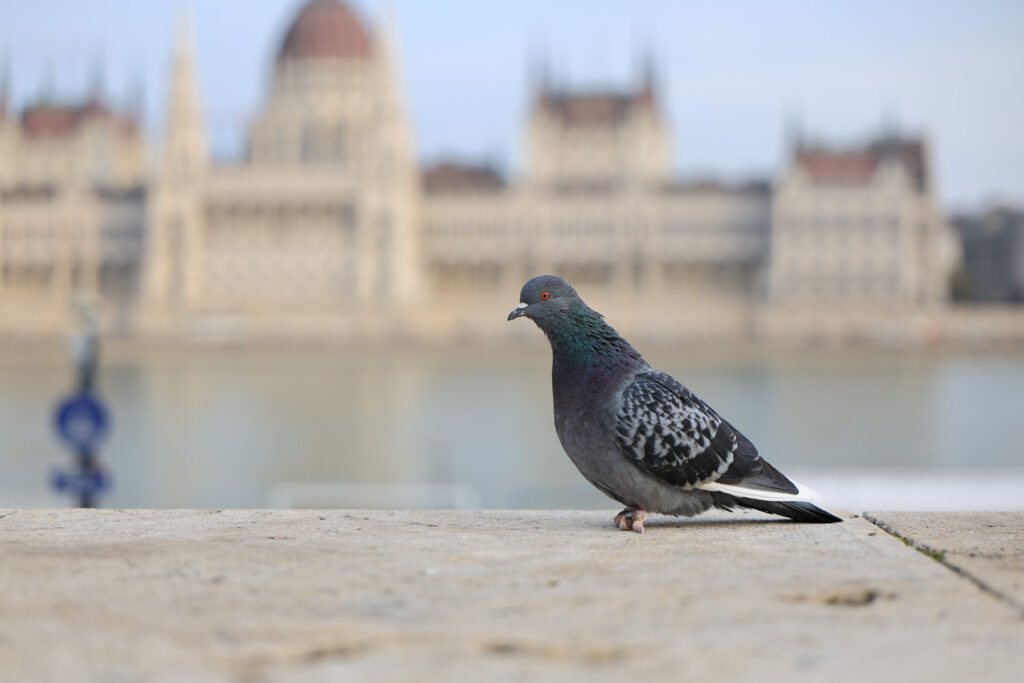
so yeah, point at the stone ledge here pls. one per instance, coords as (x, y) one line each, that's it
(986, 548)
(487, 595)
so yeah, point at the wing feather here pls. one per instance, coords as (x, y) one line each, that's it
(673, 435)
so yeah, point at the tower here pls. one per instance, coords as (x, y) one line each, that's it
(184, 153)
(172, 270)
(5, 149)
(396, 170)
(609, 138)
(334, 118)
(5, 88)
(6, 125)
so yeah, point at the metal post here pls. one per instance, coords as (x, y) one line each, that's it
(81, 419)
(87, 471)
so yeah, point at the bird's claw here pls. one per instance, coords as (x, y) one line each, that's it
(631, 520)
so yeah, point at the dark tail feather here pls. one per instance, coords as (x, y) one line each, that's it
(796, 510)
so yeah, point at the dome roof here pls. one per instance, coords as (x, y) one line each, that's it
(325, 29)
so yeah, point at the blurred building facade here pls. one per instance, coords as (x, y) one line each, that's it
(316, 228)
(72, 202)
(860, 226)
(329, 228)
(993, 256)
(598, 204)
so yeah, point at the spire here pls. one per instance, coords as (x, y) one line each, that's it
(385, 38)
(889, 126)
(385, 42)
(184, 138)
(648, 70)
(5, 84)
(648, 78)
(793, 130)
(97, 78)
(47, 87)
(135, 98)
(539, 78)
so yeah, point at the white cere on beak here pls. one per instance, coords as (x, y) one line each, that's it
(522, 305)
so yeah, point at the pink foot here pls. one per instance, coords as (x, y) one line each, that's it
(631, 519)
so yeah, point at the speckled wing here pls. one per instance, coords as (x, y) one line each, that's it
(675, 436)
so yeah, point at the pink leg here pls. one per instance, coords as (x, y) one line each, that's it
(631, 519)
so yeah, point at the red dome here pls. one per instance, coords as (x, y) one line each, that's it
(325, 29)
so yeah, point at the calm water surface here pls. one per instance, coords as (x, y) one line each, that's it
(229, 427)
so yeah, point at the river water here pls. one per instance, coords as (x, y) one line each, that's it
(242, 427)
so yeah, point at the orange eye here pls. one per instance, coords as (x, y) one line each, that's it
(545, 295)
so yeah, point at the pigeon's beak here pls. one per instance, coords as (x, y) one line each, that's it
(518, 312)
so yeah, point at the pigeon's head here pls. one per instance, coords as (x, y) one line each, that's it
(544, 296)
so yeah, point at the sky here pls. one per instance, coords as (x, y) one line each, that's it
(734, 76)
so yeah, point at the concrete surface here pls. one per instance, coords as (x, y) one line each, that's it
(985, 547)
(165, 595)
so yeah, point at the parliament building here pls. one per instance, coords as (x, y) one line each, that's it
(328, 228)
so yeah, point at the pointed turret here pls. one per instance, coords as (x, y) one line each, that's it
(793, 131)
(173, 270)
(134, 99)
(398, 207)
(97, 80)
(184, 153)
(647, 91)
(47, 86)
(5, 86)
(540, 75)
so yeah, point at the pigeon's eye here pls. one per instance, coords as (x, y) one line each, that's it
(545, 295)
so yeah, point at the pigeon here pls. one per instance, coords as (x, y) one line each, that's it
(638, 435)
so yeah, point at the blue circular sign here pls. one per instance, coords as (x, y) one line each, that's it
(81, 420)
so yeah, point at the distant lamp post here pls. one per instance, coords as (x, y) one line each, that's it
(81, 418)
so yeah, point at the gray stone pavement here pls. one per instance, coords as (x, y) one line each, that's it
(341, 595)
(985, 547)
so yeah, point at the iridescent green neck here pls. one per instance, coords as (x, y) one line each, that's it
(579, 336)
